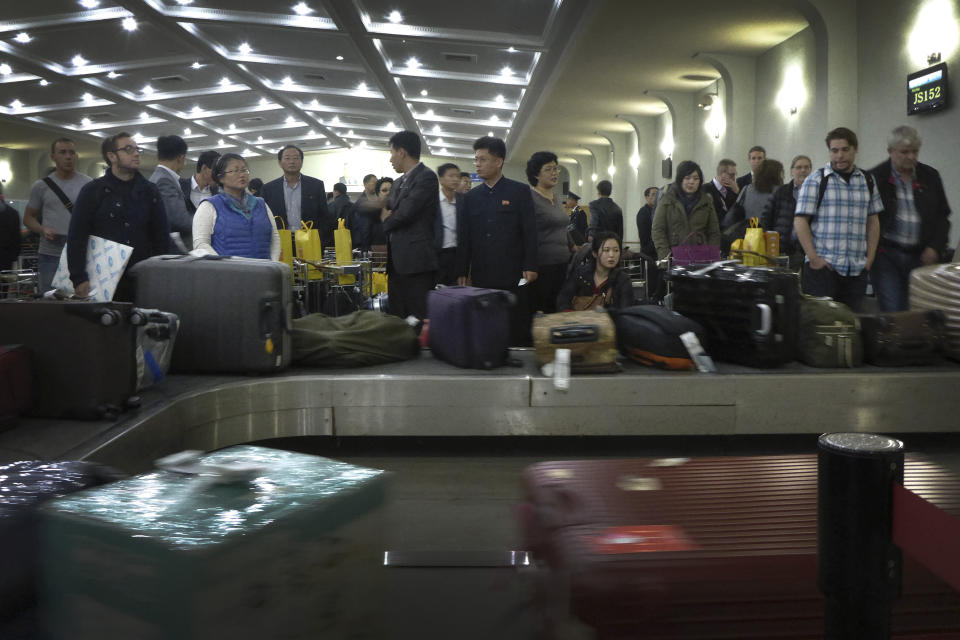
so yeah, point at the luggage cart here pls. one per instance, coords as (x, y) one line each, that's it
(636, 268)
(19, 284)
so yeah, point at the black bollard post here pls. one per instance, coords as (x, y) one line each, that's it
(859, 567)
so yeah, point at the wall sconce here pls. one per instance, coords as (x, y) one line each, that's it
(715, 124)
(611, 170)
(933, 58)
(705, 102)
(935, 34)
(635, 161)
(6, 174)
(593, 177)
(793, 93)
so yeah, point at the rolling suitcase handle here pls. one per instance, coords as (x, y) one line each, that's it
(766, 320)
(571, 334)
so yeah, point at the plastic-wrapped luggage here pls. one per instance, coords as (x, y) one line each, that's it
(85, 354)
(749, 313)
(829, 334)
(234, 313)
(903, 338)
(24, 486)
(685, 548)
(938, 287)
(16, 382)
(469, 326)
(245, 542)
(589, 335)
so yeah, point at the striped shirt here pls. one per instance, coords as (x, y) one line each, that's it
(839, 228)
(906, 226)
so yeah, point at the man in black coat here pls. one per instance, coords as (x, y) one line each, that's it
(9, 233)
(408, 221)
(448, 223)
(297, 198)
(723, 188)
(782, 208)
(756, 155)
(648, 249)
(910, 236)
(605, 214)
(201, 186)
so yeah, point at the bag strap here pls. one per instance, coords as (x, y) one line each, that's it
(59, 193)
(823, 185)
(283, 225)
(306, 224)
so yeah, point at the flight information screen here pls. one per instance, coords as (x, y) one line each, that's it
(927, 90)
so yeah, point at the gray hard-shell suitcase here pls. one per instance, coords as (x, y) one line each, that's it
(235, 313)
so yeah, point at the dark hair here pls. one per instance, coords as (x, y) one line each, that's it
(110, 145)
(220, 168)
(446, 166)
(342, 188)
(380, 183)
(647, 191)
(289, 146)
(604, 188)
(255, 185)
(769, 175)
(684, 169)
(368, 177)
(408, 141)
(495, 146)
(757, 147)
(53, 145)
(170, 147)
(536, 162)
(572, 196)
(842, 133)
(207, 159)
(464, 174)
(602, 237)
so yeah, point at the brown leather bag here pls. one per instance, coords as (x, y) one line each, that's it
(587, 303)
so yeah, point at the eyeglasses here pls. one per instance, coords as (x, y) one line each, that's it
(131, 149)
(549, 169)
(241, 172)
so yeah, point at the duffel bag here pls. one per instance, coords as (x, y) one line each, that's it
(829, 334)
(590, 336)
(903, 338)
(650, 335)
(358, 339)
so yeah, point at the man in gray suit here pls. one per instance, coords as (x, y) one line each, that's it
(408, 221)
(171, 156)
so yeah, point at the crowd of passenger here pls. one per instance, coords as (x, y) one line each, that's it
(839, 224)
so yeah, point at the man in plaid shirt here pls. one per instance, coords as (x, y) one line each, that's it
(838, 233)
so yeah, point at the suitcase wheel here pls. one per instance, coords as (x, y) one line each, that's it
(109, 317)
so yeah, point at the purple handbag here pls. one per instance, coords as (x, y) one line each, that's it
(686, 254)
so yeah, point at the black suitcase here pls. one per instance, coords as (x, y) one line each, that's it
(650, 334)
(235, 313)
(750, 314)
(84, 354)
(904, 338)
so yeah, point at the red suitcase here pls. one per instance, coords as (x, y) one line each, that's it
(705, 547)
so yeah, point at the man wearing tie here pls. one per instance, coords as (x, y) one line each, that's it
(723, 189)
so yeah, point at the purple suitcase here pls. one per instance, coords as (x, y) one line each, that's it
(470, 327)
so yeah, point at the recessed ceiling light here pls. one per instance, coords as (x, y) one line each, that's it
(197, 109)
(113, 74)
(129, 24)
(436, 129)
(429, 113)
(439, 142)
(444, 152)
(187, 131)
(336, 120)
(245, 48)
(16, 104)
(350, 133)
(363, 143)
(232, 126)
(5, 69)
(311, 133)
(490, 133)
(287, 81)
(138, 137)
(499, 99)
(43, 83)
(23, 37)
(259, 138)
(391, 125)
(220, 142)
(90, 4)
(224, 82)
(315, 103)
(87, 97)
(148, 90)
(86, 122)
(362, 86)
(144, 115)
(184, 3)
(301, 9)
(494, 118)
(78, 60)
(290, 120)
(506, 71)
(413, 63)
(512, 50)
(395, 17)
(196, 65)
(340, 58)
(424, 93)
(264, 102)
(246, 152)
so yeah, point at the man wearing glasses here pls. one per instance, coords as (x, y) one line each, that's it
(122, 206)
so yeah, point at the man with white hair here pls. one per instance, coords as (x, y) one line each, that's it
(914, 223)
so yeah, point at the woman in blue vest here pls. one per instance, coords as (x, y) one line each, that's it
(233, 222)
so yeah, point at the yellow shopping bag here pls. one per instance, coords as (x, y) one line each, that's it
(308, 245)
(286, 244)
(755, 241)
(379, 283)
(343, 243)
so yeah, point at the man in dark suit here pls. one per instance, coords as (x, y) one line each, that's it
(297, 198)
(448, 222)
(756, 155)
(171, 156)
(408, 221)
(201, 186)
(723, 188)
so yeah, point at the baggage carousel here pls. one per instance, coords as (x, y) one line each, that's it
(426, 397)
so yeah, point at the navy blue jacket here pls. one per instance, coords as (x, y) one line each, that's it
(497, 241)
(313, 205)
(131, 214)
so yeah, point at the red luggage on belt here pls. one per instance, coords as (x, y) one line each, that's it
(706, 547)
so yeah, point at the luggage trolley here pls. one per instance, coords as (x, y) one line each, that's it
(19, 284)
(636, 268)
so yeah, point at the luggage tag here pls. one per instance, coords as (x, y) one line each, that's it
(700, 358)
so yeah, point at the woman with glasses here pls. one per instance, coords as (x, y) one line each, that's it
(553, 250)
(234, 222)
(598, 282)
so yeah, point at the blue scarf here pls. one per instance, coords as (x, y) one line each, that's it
(244, 206)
